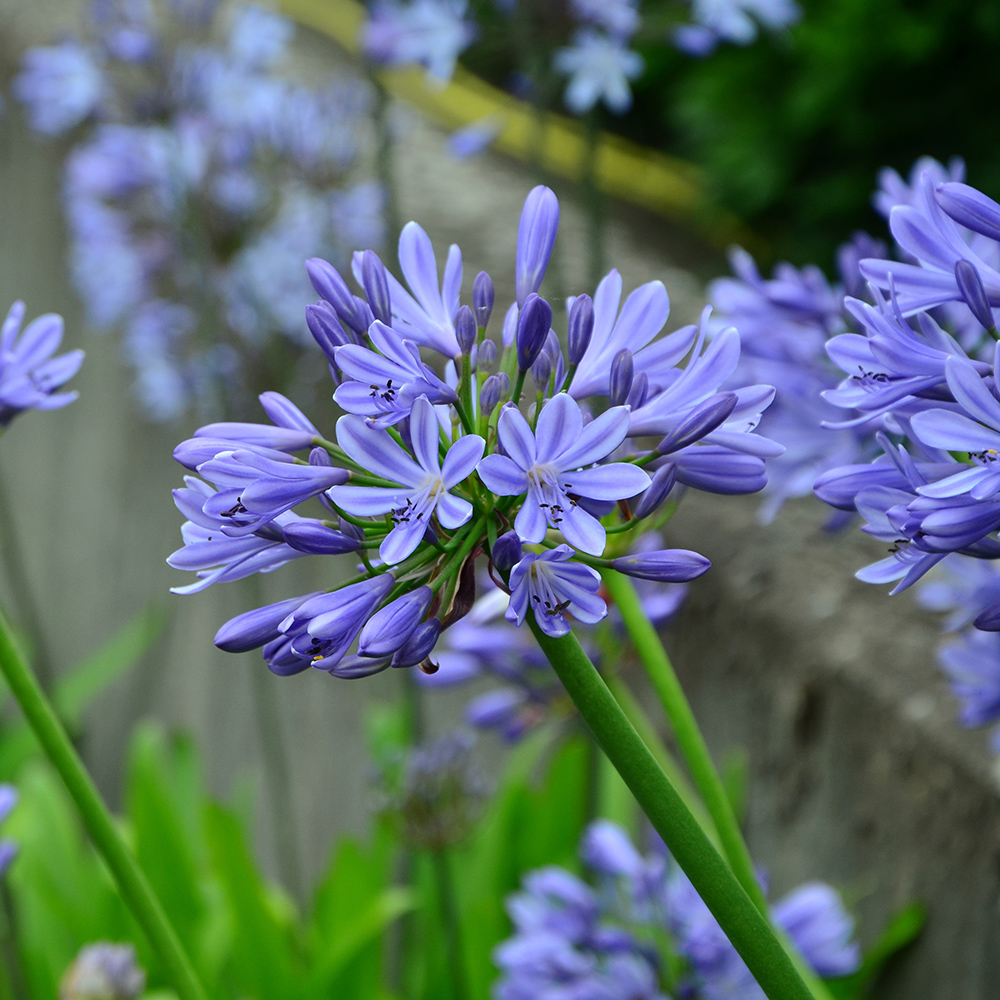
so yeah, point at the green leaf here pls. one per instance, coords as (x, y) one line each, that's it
(263, 957)
(901, 930)
(76, 689)
(736, 781)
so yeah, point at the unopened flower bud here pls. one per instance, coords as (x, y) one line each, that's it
(581, 327)
(419, 646)
(970, 284)
(483, 297)
(254, 628)
(331, 286)
(353, 530)
(541, 371)
(376, 286)
(620, 382)
(639, 391)
(465, 329)
(103, 972)
(390, 627)
(506, 553)
(325, 327)
(487, 357)
(494, 389)
(664, 566)
(658, 490)
(533, 325)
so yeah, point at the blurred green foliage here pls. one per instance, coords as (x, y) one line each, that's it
(792, 130)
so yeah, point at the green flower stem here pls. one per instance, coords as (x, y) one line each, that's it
(746, 927)
(695, 753)
(135, 889)
(688, 735)
(647, 733)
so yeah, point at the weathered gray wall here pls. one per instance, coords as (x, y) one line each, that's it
(860, 775)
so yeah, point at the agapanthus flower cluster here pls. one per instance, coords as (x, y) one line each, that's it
(537, 462)
(642, 932)
(785, 324)
(202, 172)
(733, 21)
(30, 373)
(921, 380)
(8, 848)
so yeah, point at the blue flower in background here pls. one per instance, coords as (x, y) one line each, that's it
(735, 21)
(29, 374)
(61, 85)
(428, 33)
(600, 68)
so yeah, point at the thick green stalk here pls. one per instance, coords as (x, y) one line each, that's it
(448, 902)
(692, 746)
(746, 927)
(132, 883)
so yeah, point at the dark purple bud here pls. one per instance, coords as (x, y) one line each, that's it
(541, 371)
(700, 421)
(506, 553)
(376, 286)
(639, 391)
(533, 325)
(970, 284)
(665, 566)
(316, 538)
(254, 628)
(988, 620)
(581, 327)
(487, 356)
(353, 530)
(326, 329)
(331, 286)
(465, 329)
(492, 392)
(389, 628)
(419, 646)
(536, 235)
(970, 208)
(658, 490)
(620, 382)
(483, 297)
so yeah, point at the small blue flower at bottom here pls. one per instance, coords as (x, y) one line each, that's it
(8, 849)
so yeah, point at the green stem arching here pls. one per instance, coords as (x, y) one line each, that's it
(136, 891)
(746, 927)
(692, 746)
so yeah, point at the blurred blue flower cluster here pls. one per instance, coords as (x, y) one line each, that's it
(640, 931)
(202, 173)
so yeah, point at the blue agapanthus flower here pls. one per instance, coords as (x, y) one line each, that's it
(734, 21)
(201, 174)
(30, 374)
(428, 33)
(600, 68)
(440, 463)
(600, 940)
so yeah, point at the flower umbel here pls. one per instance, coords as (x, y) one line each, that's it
(432, 472)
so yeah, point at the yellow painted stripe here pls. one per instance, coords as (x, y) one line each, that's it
(662, 184)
